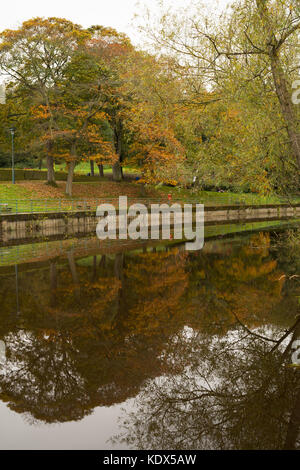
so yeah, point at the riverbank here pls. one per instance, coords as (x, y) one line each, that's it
(26, 191)
(33, 226)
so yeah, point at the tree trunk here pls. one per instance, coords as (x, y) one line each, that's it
(50, 170)
(102, 263)
(287, 107)
(117, 171)
(119, 274)
(142, 190)
(92, 168)
(119, 265)
(53, 275)
(94, 275)
(72, 266)
(53, 283)
(281, 84)
(101, 170)
(71, 166)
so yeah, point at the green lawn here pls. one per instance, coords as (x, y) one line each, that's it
(22, 199)
(19, 199)
(225, 198)
(10, 191)
(83, 168)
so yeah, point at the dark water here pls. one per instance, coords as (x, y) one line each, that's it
(154, 348)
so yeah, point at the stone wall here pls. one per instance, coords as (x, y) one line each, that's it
(15, 227)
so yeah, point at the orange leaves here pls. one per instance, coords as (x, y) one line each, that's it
(58, 28)
(231, 114)
(108, 43)
(100, 115)
(103, 153)
(109, 158)
(158, 150)
(40, 112)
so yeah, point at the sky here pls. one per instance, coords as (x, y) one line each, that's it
(115, 13)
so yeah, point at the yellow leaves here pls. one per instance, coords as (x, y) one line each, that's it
(101, 115)
(105, 154)
(232, 113)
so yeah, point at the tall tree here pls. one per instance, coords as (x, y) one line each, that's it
(34, 58)
(113, 49)
(248, 56)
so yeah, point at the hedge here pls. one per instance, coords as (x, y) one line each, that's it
(27, 175)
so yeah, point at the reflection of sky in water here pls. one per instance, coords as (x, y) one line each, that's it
(91, 433)
(2, 352)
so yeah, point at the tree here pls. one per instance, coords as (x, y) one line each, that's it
(277, 32)
(112, 50)
(151, 118)
(34, 58)
(246, 57)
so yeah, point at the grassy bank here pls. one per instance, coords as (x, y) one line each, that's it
(225, 198)
(81, 174)
(31, 196)
(35, 195)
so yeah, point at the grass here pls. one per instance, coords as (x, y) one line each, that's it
(225, 198)
(36, 196)
(83, 168)
(14, 191)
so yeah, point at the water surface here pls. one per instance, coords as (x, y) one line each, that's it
(152, 347)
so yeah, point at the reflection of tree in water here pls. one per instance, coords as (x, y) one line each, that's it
(236, 393)
(81, 351)
(93, 332)
(237, 390)
(41, 377)
(246, 282)
(157, 282)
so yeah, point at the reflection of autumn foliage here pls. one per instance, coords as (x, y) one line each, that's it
(86, 342)
(245, 285)
(93, 300)
(253, 279)
(93, 331)
(159, 281)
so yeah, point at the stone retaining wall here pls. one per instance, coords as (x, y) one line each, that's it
(34, 226)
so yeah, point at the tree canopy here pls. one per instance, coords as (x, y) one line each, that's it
(214, 98)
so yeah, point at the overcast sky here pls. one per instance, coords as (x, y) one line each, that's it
(115, 13)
